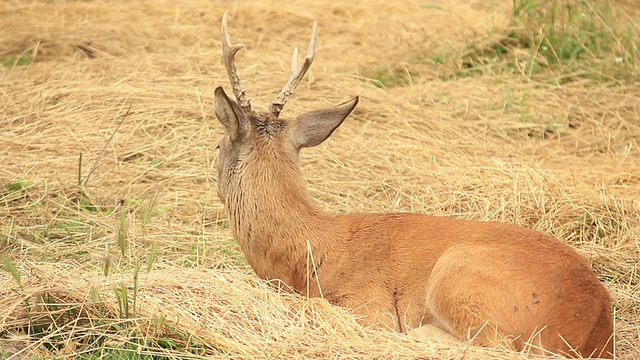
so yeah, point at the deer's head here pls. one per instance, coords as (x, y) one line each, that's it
(263, 140)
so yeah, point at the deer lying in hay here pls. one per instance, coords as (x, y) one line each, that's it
(434, 276)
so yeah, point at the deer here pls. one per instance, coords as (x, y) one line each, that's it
(443, 278)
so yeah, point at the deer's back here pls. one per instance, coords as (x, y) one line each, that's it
(398, 242)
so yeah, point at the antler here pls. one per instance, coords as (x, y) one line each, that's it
(228, 58)
(296, 74)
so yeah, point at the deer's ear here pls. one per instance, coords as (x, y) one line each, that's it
(312, 128)
(229, 114)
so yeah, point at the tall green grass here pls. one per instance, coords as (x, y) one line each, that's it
(560, 41)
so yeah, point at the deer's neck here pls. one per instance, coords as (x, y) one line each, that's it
(276, 223)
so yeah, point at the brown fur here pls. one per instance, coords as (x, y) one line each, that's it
(490, 282)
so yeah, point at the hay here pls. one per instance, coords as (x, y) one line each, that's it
(561, 159)
(227, 313)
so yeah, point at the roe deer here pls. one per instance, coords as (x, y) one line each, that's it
(490, 282)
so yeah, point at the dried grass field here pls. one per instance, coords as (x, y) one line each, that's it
(114, 244)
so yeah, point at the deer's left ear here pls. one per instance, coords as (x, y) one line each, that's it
(312, 128)
(229, 114)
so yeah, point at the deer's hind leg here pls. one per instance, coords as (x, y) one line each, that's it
(433, 333)
(467, 298)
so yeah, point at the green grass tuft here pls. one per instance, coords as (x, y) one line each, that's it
(384, 77)
(16, 59)
(556, 42)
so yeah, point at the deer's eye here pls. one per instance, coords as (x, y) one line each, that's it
(218, 147)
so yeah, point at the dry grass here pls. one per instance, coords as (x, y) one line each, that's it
(561, 159)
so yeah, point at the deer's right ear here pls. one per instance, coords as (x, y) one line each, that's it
(314, 127)
(229, 114)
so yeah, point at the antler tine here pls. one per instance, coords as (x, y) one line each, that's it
(296, 74)
(228, 58)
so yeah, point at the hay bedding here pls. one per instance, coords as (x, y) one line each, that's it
(452, 148)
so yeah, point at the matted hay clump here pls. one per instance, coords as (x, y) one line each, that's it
(141, 259)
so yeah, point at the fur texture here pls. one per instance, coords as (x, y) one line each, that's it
(491, 282)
